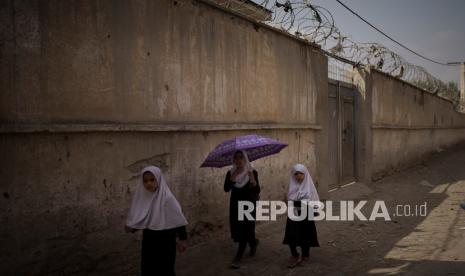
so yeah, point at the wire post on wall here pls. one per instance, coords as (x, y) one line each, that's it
(340, 71)
(462, 87)
(462, 84)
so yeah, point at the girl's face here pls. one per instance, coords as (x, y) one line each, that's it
(299, 177)
(150, 182)
(239, 159)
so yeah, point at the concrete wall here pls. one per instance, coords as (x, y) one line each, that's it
(146, 61)
(408, 124)
(92, 91)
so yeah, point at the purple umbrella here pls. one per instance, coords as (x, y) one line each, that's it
(255, 146)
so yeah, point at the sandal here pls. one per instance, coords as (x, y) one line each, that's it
(304, 261)
(293, 262)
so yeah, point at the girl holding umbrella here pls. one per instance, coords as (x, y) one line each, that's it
(242, 182)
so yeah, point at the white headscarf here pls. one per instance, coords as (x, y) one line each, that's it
(243, 177)
(302, 191)
(157, 210)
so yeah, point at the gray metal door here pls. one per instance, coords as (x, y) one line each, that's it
(341, 133)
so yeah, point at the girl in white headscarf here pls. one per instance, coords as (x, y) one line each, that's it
(301, 233)
(242, 182)
(156, 211)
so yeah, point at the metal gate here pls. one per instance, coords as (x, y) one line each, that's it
(341, 133)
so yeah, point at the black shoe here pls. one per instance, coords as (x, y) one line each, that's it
(253, 249)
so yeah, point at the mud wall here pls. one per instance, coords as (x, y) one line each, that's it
(408, 124)
(92, 91)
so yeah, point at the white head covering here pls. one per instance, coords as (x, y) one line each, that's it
(157, 210)
(302, 191)
(243, 177)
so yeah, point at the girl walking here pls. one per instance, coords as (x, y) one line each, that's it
(242, 182)
(156, 212)
(300, 233)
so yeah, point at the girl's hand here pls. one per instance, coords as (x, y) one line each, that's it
(252, 178)
(236, 173)
(129, 229)
(181, 246)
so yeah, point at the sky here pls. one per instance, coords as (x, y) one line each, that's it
(434, 28)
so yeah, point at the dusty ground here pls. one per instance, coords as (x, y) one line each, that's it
(416, 245)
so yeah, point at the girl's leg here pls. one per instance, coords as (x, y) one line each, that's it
(294, 252)
(236, 263)
(305, 255)
(305, 251)
(240, 250)
(252, 242)
(253, 246)
(294, 259)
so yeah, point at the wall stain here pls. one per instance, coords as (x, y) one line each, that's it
(159, 160)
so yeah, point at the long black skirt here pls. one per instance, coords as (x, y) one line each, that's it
(301, 233)
(158, 252)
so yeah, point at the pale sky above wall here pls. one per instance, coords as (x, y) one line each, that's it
(434, 28)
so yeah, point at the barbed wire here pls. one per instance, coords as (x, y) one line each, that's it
(316, 24)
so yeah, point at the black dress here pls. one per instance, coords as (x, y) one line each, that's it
(159, 251)
(242, 231)
(300, 233)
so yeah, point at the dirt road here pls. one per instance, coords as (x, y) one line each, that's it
(408, 245)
